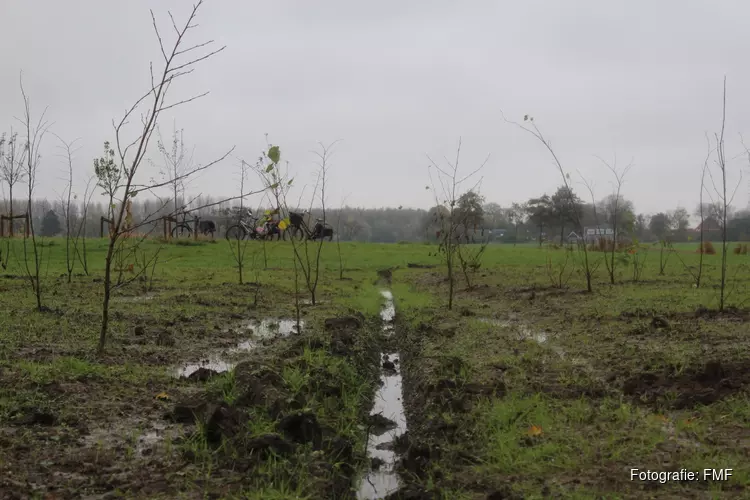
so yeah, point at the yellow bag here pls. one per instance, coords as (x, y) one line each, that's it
(284, 224)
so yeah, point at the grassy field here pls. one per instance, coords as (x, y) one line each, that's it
(526, 389)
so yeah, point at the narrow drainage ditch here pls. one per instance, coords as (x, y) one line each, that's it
(387, 420)
(259, 331)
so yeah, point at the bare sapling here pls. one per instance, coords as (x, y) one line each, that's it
(35, 133)
(470, 260)
(238, 241)
(450, 237)
(338, 239)
(79, 243)
(591, 265)
(307, 253)
(121, 164)
(270, 163)
(697, 273)
(276, 183)
(67, 199)
(12, 171)
(588, 267)
(176, 162)
(148, 264)
(638, 254)
(614, 215)
(665, 251)
(470, 214)
(559, 273)
(724, 197)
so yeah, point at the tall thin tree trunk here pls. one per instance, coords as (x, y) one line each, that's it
(11, 210)
(105, 300)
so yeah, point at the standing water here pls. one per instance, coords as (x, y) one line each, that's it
(382, 480)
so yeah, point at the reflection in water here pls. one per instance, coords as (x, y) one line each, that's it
(260, 330)
(388, 402)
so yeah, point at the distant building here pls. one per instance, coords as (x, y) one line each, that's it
(708, 225)
(596, 233)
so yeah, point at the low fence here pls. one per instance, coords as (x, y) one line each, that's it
(10, 220)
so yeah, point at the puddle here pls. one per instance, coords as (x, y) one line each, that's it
(141, 441)
(214, 363)
(269, 328)
(527, 333)
(259, 330)
(388, 312)
(495, 322)
(524, 332)
(388, 403)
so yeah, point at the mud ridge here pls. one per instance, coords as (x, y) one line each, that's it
(713, 382)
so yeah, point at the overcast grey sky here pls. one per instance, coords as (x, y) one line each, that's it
(395, 80)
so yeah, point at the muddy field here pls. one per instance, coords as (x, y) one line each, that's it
(213, 389)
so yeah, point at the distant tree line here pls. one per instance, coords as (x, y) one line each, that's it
(545, 218)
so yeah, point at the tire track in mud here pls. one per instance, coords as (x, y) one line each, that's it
(387, 421)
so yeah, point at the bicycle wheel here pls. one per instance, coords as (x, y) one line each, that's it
(236, 232)
(181, 231)
(297, 233)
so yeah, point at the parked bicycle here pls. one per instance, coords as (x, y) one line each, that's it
(298, 228)
(255, 228)
(183, 229)
(245, 227)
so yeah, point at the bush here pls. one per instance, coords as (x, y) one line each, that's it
(607, 245)
(708, 248)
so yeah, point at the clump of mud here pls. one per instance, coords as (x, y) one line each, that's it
(300, 384)
(704, 385)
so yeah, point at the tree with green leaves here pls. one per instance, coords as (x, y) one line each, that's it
(470, 212)
(51, 224)
(516, 214)
(566, 208)
(541, 213)
(660, 225)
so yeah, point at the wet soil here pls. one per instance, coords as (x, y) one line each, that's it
(172, 397)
